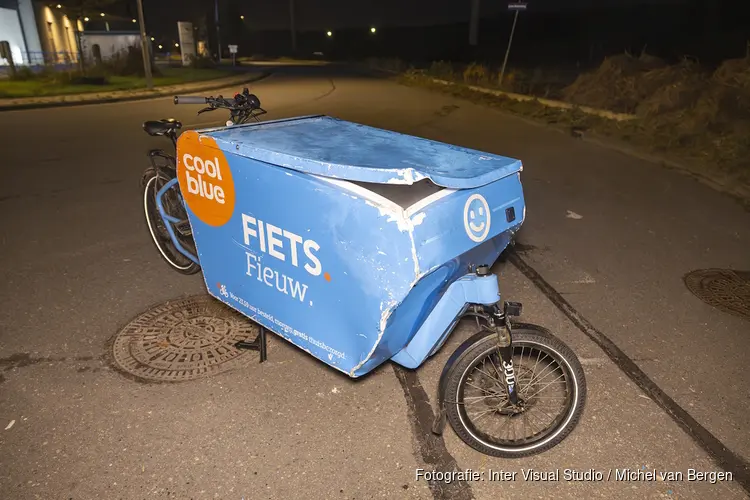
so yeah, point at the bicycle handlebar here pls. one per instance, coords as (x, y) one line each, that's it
(242, 106)
(190, 99)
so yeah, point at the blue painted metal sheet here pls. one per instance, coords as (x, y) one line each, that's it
(340, 149)
(336, 269)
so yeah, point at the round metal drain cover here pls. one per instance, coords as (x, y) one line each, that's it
(183, 340)
(722, 288)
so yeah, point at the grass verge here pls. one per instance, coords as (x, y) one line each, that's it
(40, 87)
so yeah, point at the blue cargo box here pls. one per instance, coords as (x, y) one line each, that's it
(343, 238)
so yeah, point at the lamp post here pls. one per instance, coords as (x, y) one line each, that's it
(144, 48)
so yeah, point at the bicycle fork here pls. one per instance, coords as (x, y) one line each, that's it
(499, 321)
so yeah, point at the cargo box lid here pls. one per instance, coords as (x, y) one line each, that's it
(330, 147)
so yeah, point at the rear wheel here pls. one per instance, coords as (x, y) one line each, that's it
(151, 182)
(550, 384)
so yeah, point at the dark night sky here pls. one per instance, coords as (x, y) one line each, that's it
(337, 14)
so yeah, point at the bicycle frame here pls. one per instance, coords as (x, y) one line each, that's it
(170, 220)
(236, 118)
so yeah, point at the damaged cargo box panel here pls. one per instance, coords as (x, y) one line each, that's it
(344, 266)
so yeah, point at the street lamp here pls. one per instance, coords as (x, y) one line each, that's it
(329, 33)
(134, 20)
(242, 17)
(102, 14)
(372, 30)
(160, 47)
(85, 19)
(152, 39)
(177, 45)
(59, 6)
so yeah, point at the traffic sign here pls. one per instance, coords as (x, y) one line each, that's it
(232, 49)
(517, 6)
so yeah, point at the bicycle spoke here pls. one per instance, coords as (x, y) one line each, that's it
(540, 390)
(479, 400)
(495, 367)
(490, 376)
(538, 376)
(482, 414)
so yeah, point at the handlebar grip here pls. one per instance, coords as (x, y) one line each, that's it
(190, 99)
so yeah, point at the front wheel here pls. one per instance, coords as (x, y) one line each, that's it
(550, 384)
(151, 182)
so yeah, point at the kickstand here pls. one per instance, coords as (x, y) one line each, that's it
(259, 344)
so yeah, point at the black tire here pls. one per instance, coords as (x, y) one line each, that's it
(482, 346)
(157, 229)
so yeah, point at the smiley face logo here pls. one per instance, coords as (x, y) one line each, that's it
(477, 218)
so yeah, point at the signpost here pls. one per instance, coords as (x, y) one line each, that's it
(233, 51)
(517, 7)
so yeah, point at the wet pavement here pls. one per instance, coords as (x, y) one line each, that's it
(611, 235)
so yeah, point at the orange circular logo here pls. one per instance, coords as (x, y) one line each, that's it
(205, 179)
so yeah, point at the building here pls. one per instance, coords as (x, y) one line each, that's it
(43, 33)
(18, 26)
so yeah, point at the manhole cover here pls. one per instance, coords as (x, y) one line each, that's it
(722, 288)
(184, 340)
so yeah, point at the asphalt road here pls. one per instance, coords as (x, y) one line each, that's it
(610, 234)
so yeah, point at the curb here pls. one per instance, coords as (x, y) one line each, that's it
(550, 103)
(301, 62)
(194, 87)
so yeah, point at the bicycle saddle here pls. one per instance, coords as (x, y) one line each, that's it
(161, 127)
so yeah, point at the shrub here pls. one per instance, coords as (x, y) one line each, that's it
(442, 70)
(94, 76)
(23, 73)
(128, 62)
(387, 64)
(509, 80)
(202, 62)
(476, 74)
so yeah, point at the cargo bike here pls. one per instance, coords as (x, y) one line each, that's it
(360, 245)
